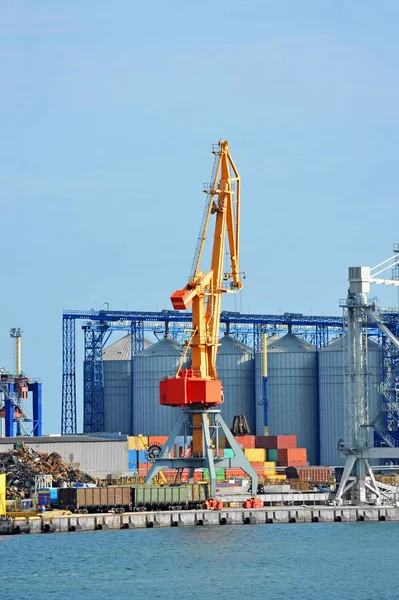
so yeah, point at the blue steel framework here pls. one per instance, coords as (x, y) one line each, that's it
(35, 387)
(246, 327)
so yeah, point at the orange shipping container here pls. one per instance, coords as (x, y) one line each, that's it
(289, 455)
(246, 441)
(159, 440)
(276, 441)
(231, 473)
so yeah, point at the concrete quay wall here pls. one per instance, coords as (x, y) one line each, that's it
(228, 516)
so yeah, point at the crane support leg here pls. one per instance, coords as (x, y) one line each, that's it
(211, 421)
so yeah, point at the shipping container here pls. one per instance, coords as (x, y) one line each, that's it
(158, 440)
(292, 454)
(228, 453)
(292, 463)
(276, 441)
(246, 441)
(132, 459)
(138, 442)
(272, 454)
(255, 454)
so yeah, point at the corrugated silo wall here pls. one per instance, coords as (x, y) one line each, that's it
(149, 417)
(293, 398)
(332, 400)
(237, 372)
(117, 396)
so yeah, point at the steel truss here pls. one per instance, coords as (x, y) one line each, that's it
(248, 328)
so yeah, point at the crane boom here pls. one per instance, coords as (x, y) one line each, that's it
(197, 390)
(199, 384)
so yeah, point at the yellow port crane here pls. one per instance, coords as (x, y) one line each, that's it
(197, 389)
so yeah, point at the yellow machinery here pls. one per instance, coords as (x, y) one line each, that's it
(197, 389)
(2, 494)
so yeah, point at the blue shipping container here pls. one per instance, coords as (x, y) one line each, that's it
(132, 459)
(142, 456)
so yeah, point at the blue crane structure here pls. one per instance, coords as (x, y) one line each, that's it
(248, 328)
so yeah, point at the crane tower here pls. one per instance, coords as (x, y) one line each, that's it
(196, 390)
(358, 481)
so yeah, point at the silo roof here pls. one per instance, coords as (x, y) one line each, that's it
(165, 347)
(121, 349)
(290, 343)
(230, 345)
(338, 344)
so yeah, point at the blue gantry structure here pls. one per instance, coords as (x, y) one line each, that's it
(248, 328)
(16, 419)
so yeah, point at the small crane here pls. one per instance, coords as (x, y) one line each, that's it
(197, 389)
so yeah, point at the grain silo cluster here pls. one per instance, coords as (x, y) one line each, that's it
(305, 389)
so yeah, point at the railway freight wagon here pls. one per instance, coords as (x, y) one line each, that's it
(94, 500)
(135, 498)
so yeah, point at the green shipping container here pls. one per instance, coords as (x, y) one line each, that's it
(220, 474)
(272, 455)
(228, 453)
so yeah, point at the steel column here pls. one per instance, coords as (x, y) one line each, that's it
(68, 414)
(9, 412)
(36, 389)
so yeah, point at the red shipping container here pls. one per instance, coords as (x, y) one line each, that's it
(289, 455)
(270, 442)
(258, 464)
(231, 473)
(246, 441)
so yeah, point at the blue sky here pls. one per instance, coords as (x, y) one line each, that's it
(108, 112)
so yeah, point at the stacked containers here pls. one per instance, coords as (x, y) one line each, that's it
(157, 362)
(236, 369)
(118, 391)
(292, 373)
(332, 397)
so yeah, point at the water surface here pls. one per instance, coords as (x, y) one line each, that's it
(334, 561)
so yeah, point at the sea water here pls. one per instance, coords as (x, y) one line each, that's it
(334, 561)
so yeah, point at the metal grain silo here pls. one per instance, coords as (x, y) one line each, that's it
(118, 392)
(161, 360)
(332, 396)
(236, 369)
(292, 372)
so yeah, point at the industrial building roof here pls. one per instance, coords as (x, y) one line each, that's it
(290, 343)
(121, 349)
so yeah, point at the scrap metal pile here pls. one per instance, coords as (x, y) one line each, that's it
(22, 464)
